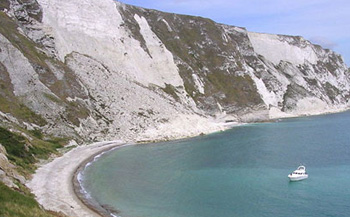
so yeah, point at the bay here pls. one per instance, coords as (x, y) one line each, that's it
(239, 172)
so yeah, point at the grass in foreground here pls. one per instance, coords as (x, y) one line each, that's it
(13, 203)
(24, 153)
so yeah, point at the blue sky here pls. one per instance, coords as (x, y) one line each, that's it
(324, 22)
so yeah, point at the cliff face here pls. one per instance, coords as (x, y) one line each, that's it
(98, 70)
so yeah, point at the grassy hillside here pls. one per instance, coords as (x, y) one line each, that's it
(24, 153)
(20, 204)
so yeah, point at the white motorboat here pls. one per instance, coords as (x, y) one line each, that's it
(298, 174)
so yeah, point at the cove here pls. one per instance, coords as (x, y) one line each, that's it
(239, 172)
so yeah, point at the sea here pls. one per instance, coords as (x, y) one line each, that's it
(239, 172)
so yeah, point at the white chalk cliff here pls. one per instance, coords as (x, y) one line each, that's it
(99, 70)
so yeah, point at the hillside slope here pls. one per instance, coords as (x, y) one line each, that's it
(77, 71)
(91, 70)
(100, 70)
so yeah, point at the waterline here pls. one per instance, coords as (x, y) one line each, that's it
(239, 172)
(80, 190)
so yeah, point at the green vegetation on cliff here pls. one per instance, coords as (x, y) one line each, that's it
(20, 204)
(25, 153)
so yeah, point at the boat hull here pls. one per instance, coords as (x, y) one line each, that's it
(297, 178)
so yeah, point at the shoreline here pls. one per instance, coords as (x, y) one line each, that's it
(53, 183)
(104, 211)
(56, 186)
(79, 189)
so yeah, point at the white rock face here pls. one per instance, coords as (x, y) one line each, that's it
(25, 80)
(269, 97)
(23, 77)
(199, 84)
(95, 28)
(130, 111)
(194, 125)
(163, 69)
(119, 64)
(275, 48)
(311, 105)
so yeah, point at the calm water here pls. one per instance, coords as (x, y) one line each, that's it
(240, 172)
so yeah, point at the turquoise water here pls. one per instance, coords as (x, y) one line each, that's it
(240, 172)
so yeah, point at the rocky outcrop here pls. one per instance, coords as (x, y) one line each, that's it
(98, 70)
(8, 173)
(308, 79)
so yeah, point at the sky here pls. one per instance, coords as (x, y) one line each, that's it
(323, 22)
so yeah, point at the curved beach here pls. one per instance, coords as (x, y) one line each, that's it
(55, 185)
(52, 184)
(220, 174)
